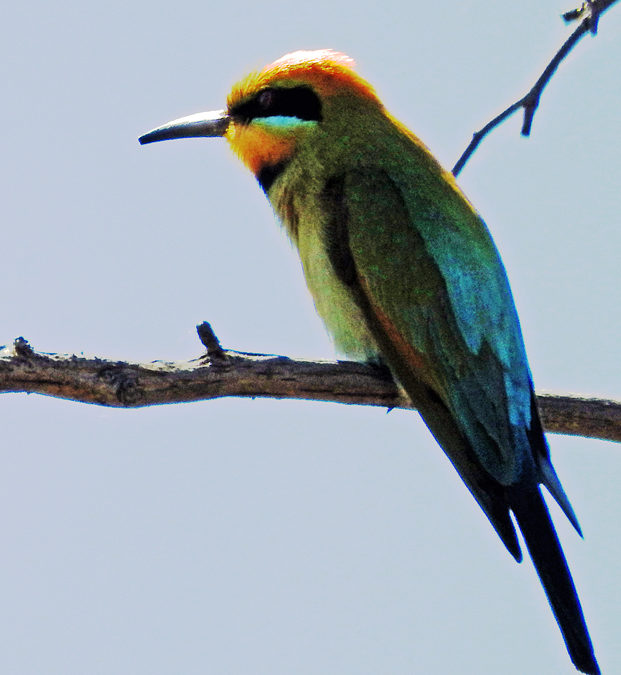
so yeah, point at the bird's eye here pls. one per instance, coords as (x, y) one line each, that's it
(298, 102)
(265, 99)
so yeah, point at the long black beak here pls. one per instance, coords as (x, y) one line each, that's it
(213, 123)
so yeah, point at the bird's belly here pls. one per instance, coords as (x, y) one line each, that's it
(334, 301)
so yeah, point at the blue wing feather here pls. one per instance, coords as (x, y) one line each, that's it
(438, 278)
(444, 288)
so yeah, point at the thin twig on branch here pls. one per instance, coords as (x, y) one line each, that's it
(228, 373)
(589, 12)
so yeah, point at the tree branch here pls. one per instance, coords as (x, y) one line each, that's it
(228, 373)
(590, 12)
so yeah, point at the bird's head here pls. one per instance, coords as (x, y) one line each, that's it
(270, 112)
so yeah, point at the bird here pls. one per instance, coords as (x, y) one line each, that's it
(404, 274)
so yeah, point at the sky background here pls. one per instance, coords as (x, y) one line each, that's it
(242, 537)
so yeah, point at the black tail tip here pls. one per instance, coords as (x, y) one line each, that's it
(587, 663)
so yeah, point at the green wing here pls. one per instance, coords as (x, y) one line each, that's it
(426, 274)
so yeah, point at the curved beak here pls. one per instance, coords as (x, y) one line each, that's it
(213, 123)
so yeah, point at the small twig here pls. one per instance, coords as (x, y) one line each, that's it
(586, 9)
(576, 13)
(133, 385)
(589, 12)
(210, 342)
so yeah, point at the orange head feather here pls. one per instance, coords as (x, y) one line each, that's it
(326, 70)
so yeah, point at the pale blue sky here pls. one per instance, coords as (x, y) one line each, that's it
(262, 537)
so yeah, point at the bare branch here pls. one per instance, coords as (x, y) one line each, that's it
(589, 12)
(229, 373)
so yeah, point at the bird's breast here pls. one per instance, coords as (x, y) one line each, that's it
(303, 215)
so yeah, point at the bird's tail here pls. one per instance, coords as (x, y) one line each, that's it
(545, 550)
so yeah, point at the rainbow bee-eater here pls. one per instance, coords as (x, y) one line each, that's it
(404, 273)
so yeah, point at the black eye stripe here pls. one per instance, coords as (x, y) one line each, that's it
(300, 102)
